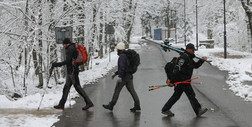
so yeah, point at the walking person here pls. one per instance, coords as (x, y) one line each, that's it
(72, 77)
(183, 71)
(125, 78)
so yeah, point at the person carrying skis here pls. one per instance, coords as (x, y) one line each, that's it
(125, 79)
(183, 71)
(72, 77)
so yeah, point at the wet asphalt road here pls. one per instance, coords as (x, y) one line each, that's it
(225, 109)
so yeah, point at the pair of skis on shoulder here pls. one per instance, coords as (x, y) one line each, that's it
(168, 46)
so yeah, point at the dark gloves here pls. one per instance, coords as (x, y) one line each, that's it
(114, 75)
(169, 83)
(55, 64)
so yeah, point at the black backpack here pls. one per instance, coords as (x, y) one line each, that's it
(133, 61)
(170, 68)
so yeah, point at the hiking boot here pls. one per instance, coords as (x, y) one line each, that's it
(136, 108)
(168, 113)
(59, 107)
(108, 106)
(87, 106)
(202, 111)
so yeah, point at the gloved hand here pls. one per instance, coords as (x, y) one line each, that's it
(168, 81)
(204, 58)
(113, 76)
(55, 64)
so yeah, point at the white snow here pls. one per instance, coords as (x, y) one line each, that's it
(23, 112)
(237, 64)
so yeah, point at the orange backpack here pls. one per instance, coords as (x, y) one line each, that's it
(82, 55)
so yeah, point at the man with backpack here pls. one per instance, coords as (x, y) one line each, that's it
(182, 71)
(127, 65)
(72, 77)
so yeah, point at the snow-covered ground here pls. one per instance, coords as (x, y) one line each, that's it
(23, 112)
(239, 67)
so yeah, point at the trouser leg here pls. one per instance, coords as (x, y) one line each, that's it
(66, 89)
(130, 87)
(174, 98)
(191, 96)
(80, 90)
(118, 88)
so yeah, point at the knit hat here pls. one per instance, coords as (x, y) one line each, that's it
(120, 46)
(190, 46)
(66, 41)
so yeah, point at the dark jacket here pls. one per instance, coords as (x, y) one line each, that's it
(71, 54)
(185, 66)
(122, 64)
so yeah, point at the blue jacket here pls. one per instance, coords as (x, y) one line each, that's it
(122, 64)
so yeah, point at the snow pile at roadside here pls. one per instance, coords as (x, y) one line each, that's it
(237, 64)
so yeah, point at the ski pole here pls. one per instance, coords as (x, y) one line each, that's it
(170, 84)
(157, 87)
(187, 81)
(160, 86)
(48, 79)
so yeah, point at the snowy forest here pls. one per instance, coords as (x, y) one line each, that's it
(27, 30)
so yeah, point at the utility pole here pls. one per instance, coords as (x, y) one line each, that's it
(197, 45)
(175, 26)
(185, 21)
(225, 37)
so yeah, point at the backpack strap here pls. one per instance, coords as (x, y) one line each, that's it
(175, 62)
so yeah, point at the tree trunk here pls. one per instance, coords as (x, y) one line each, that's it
(25, 48)
(248, 11)
(35, 62)
(91, 44)
(93, 29)
(52, 47)
(106, 42)
(129, 20)
(101, 35)
(40, 46)
(20, 58)
(249, 14)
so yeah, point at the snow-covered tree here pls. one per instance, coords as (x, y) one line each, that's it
(27, 30)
